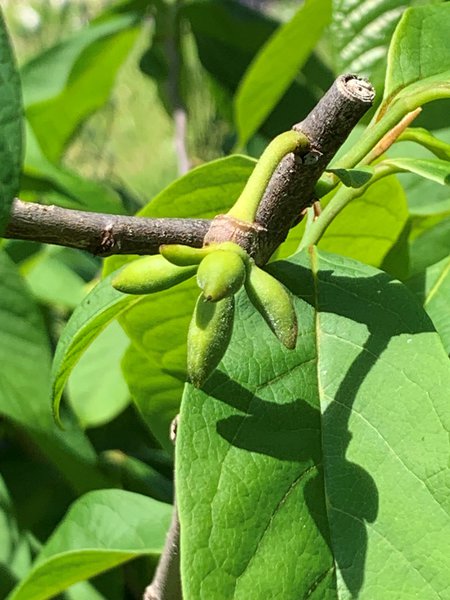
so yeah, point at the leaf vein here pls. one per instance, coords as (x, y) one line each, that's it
(408, 469)
(390, 543)
(277, 508)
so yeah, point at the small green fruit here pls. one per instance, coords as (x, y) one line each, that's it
(274, 303)
(232, 247)
(208, 337)
(220, 274)
(150, 274)
(183, 256)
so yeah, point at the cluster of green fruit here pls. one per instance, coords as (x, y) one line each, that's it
(222, 269)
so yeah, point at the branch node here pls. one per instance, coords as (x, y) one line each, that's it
(107, 241)
(225, 228)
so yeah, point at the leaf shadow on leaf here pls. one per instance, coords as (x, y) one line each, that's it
(342, 497)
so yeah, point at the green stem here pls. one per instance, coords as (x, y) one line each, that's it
(424, 138)
(247, 204)
(386, 118)
(309, 221)
(326, 183)
(360, 154)
(371, 136)
(340, 200)
(380, 125)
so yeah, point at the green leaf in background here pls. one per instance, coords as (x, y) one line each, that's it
(309, 471)
(419, 55)
(432, 143)
(360, 35)
(417, 74)
(155, 365)
(8, 525)
(88, 320)
(354, 178)
(102, 530)
(74, 191)
(425, 197)
(205, 191)
(434, 169)
(138, 7)
(366, 229)
(68, 82)
(137, 476)
(277, 64)
(96, 389)
(430, 246)
(24, 387)
(370, 225)
(433, 288)
(51, 280)
(11, 118)
(15, 555)
(83, 591)
(228, 36)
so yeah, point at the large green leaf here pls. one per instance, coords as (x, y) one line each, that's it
(424, 241)
(155, 366)
(277, 64)
(102, 530)
(205, 191)
(433, 169)
(96, 389)
(10, 126)
(320, 473)
(360, 36)
(433, 288)
(229, 35)
(419, 54)
(425, 197)
(89, 319)
(66, 83)
(24, 383)
(83, 591)
(367, 228)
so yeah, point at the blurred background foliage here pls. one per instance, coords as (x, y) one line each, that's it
(120, 99)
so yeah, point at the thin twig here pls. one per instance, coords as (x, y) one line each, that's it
(98, 233)
(166, 584)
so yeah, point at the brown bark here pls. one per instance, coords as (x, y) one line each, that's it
(101, 234)
(291, 188)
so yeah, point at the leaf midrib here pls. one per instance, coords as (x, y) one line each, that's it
(321, 393)
(437, 284)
